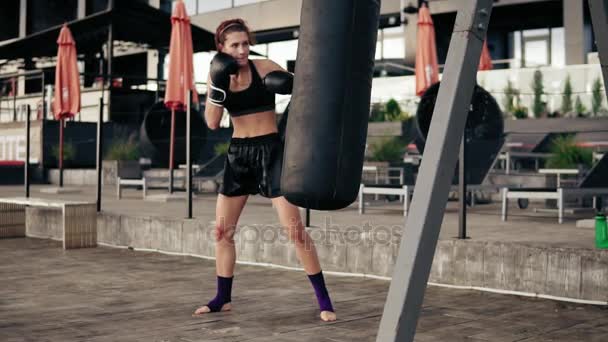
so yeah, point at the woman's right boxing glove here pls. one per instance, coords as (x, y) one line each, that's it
(222, 66)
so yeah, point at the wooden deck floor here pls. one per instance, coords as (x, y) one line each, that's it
(106, 294)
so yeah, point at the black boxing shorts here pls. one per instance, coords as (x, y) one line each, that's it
(253, 166)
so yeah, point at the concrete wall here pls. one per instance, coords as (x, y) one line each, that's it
(582, 77)
(534, 270)
(73, 176)
(44, 223)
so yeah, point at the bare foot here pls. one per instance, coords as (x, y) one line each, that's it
(205, 309)
(328, 316)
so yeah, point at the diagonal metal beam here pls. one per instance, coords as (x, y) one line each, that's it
(599, 19)
(423, 224)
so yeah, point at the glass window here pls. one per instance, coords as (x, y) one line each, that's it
(536, 33)
(262, 49)
(537, 52)
(190, 6)
(391, 43)
(213, 5)
(558, 48)
(516, 50)
(379, 46)
(393, 31)
(246, 2)
(281, 52)
(201, 61)
(393, 47)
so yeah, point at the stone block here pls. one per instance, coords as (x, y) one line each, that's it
(44, 223)
(166, 234)
(198, 238)
(359, 251)
(330, 248)
(443, 268)
(108, 228)
(594, 272)
(135, 232)
(468, 263)
(492, 265)
(563, 273)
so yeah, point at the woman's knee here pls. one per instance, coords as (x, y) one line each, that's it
(224, 232)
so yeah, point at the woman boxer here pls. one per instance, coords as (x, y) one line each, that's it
(246, 89)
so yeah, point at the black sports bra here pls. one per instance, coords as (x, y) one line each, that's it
(254, 99)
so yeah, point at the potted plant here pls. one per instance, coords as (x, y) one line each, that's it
(383, 153)
(121, 160)
(69, 153)
(597, 97)
(388, 119)
(565, 154)
(511, 99)
(538, 106)
(221, 148)
(520, 112)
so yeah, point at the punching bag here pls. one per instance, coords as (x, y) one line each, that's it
(329, 110)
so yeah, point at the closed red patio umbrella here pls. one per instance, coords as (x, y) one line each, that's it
(427, 68)
(181, 71)
(66, 101)
(485, 61)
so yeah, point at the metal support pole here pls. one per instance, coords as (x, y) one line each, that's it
(61, 152)
(99, 152)
(599, 19)
(26, 166)
(43, 114)
(171, 150)
(110, 56)
(307, 217)
(14, 87)
(423, 223)
(188, 156)
(462, 189)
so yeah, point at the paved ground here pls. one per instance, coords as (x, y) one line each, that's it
(107, 294)
(483, 222)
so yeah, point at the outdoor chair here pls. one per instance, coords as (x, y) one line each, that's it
(594, 184)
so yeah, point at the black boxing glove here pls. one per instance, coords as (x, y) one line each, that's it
(222, 66)
(279, 82)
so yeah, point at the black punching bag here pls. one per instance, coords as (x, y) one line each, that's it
(329, 110)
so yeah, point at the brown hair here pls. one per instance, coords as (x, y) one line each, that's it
(229, 26)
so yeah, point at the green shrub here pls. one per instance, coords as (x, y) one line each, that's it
(566, 155)
(597, 96)
(579, 107)
(520, 112)
(538, 107)
(511, 100)
(122, 149)
(221, 148)
(567, 96)
(390, 111)
(69, 151)
(377, 112)
(388, 149)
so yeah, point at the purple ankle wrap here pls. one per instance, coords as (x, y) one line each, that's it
(318, 283)
(224, 291)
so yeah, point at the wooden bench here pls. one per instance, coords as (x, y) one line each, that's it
(406, 191)
(120, 183)
(79, 219)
